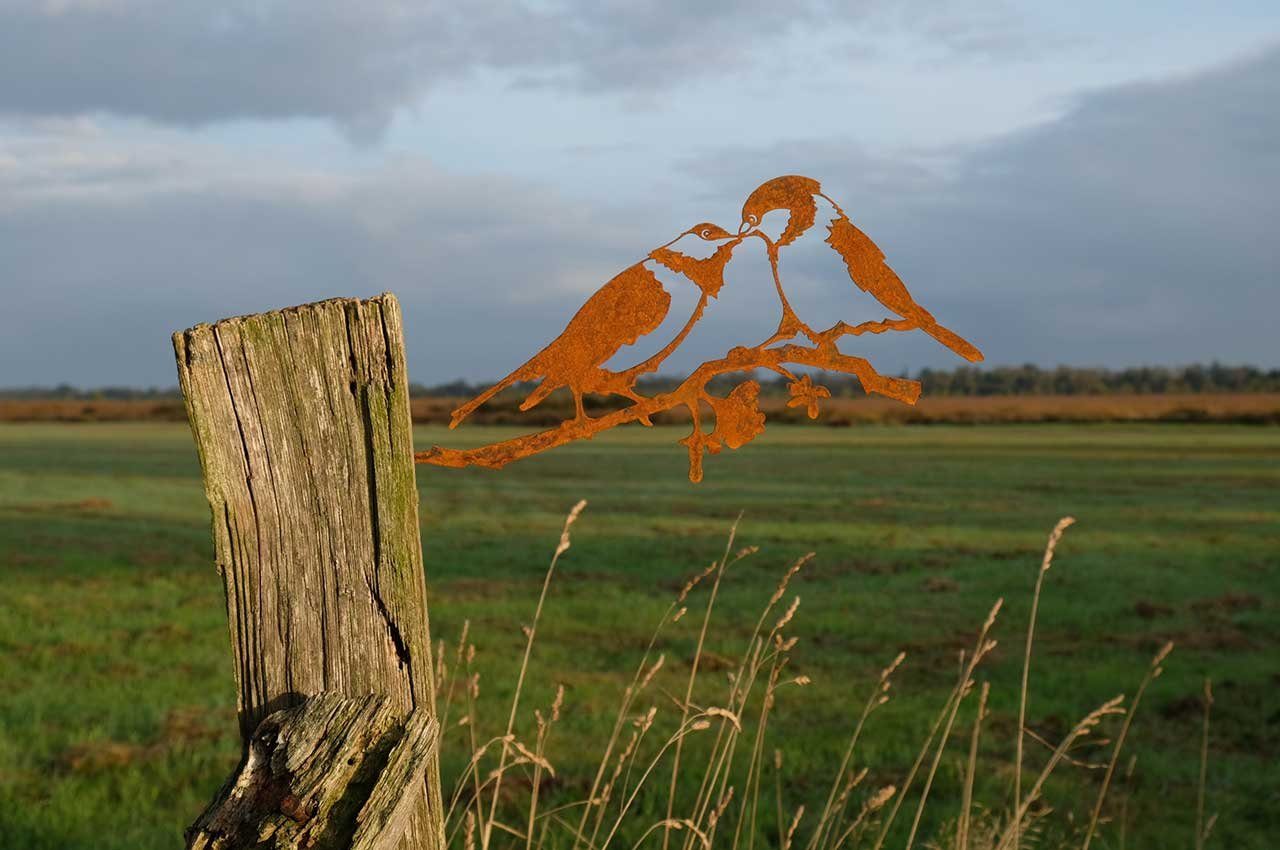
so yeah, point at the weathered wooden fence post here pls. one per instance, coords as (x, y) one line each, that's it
(301, 419)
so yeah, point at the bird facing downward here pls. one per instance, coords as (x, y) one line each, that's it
(864, 260)
(631, 305)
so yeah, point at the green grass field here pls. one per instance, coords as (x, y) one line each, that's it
(117, 718)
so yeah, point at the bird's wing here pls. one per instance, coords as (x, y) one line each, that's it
(632, 304)
(804, 209)
(707, 273)
(798, 197)
(868, 270)
(629, 306)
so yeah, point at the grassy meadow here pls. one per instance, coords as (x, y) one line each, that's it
(117, 715)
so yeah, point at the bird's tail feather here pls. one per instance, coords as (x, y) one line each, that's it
(540, 392)
(951, 340)
(524, 373)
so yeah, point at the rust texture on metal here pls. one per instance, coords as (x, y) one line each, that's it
(635, 303)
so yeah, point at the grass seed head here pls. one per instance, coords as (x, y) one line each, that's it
(568, 522)
(1054, 536)
(787, 576)
(791, 830)
(652, 671)
(893, 666)
(877, 800)
(786, 617)
(726, 714)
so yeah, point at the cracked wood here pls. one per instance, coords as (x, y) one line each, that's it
(334, 773)
(301, 420)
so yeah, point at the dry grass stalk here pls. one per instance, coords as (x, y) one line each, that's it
(791, 830)
(1153, 672)
(830, 820)
(971, 770)
(675, 824)
(450, 678)
(608, 811)
(873, 804)
(640, 682)
(1046, 562)
(693, 674)
(540, 762)
(1124, 804)
(1084, 727)
(751, 795)
(1203, 829)
(698, 724)
(981, 649)
(742, 681)
(717, 813)
(531, 633)
(777, 782)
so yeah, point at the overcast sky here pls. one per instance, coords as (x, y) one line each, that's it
(1059, 182)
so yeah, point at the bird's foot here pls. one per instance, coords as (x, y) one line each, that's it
(642, 418)
(625, 389)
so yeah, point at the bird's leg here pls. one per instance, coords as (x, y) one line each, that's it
(622, 383)
(636, 397)
(577, 404)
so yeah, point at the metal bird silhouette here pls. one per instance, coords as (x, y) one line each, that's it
(635, 304)
(862, 257)
(631, 305)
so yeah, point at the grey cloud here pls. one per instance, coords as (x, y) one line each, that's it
(96, 280)
(1138, 227)
(191, 63)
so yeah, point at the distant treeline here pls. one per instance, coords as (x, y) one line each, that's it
(997, 381)
(964, 381)
(66, 392)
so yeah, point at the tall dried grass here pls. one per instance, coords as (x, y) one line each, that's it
(644, 762)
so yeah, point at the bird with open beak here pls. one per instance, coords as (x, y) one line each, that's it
(797, 195)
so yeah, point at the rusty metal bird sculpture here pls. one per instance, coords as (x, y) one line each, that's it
(635, 303)
(864, 260)
(631, 305)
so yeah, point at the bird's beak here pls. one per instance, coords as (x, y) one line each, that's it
(677, 239)
(743, 229)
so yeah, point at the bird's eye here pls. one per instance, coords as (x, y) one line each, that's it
(752, 218)
(706, 234)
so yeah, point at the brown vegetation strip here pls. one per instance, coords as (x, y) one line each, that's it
(1249, 408)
